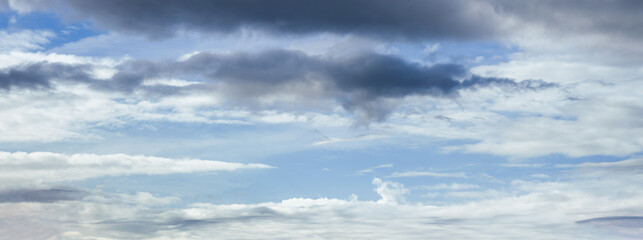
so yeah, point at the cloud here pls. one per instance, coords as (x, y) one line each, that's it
(631, 226)
(41, 75)
(24, 40)
(452, 186)
(391, 192)
(503, 20)
(532, 210)
(41, 195)
(635, 164)
(528, 123)
(367, 84)
(379, 18)
(618, 17)
(628, 166)
(20, 168)
(426, 174)
(370, 170)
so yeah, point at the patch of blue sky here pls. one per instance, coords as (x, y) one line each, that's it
(301, 171)
(528, 114)
(321, 173)
(560, 161)
(210, 187)
(6, 19)
(65, 31)
(468, 54)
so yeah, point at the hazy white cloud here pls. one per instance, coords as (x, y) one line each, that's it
(426, 174)
(25, 40)
(452, 186)
(370, 170)
(20, 168)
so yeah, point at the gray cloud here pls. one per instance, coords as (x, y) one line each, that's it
(367, 84)
(413, 19)
(150, 226)
(368, 74)
(362, 82)
(379, 18)
(477, 81)
(40, 75)
(634, 221)
(625, 225)
(41, 195)
(616, 17)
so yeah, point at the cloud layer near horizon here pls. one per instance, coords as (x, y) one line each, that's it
(581, 208)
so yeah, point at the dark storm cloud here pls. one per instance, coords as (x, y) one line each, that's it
(41, 195)
(409, 19)
(367, 84)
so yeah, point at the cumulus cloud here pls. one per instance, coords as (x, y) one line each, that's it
(391, 192)
(20, 168)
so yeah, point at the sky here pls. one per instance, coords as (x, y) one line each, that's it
(336, 119)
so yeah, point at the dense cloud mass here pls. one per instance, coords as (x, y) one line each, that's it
(358, 82)
(462, 19)
(380, 18)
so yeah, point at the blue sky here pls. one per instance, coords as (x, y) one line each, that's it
(320, 120)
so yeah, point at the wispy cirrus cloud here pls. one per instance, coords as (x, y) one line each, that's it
(427, 174)
(20, 168)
